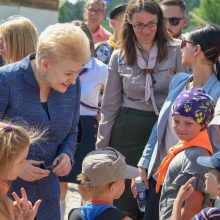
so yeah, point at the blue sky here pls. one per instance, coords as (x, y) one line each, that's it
(73, 1)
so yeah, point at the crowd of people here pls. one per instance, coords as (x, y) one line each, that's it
(78, 103)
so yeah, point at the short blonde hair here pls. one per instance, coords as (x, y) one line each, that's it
(216, 174)
(20, 38)
(100, 2)
(63, 41)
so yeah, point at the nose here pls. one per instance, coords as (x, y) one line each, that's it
(180, 127)
(72, 80)
(146, 30)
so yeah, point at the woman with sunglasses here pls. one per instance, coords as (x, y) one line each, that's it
(200, 52)
(139, 75)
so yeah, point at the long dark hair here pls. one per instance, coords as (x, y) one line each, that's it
(208, 37)
(127, 41)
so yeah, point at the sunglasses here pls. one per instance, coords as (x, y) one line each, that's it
(95, 11)
(183, 43)
(174, 21)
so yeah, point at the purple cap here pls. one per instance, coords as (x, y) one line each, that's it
(196, 104)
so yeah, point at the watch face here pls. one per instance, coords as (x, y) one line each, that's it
(103, 53)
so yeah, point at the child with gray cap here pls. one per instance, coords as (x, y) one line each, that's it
(103, 175)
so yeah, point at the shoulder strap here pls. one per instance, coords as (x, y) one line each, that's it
(112, 213)
(107, 214)
(75, 214)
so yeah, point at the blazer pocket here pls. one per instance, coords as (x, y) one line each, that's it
(125, 73)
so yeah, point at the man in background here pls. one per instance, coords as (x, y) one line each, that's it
(94, 16)
(174, 12)
(105, 49)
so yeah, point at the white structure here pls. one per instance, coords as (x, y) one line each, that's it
(41, 12)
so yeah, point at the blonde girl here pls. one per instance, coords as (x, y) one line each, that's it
(14, 147)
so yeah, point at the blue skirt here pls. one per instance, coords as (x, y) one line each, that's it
(88, 127)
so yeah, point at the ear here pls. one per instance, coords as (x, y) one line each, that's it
(44, 65)
(197, 49)
(111, 22)
(185, 22)
(113, 187)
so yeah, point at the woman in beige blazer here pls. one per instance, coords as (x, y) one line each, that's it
(139, 75)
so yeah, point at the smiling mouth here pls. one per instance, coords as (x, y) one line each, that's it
(66, 85)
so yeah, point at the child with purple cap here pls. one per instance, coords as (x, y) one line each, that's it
(192, 112)
(212, 181)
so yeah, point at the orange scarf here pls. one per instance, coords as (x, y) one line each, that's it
(113, 44)
(201, 140)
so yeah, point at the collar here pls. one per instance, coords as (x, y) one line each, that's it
(101, 32)
(90, 64)
(28, 71)
(112, 42)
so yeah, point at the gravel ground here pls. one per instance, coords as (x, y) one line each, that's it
(72, 199)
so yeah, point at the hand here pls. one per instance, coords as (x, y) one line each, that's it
(23, 208)
(133, 188)
(32, 172)
(185, 191)
(143, 175)
(63, 166)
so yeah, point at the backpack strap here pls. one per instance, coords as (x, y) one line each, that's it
(107, 214)
(75, 214)
(112, 213)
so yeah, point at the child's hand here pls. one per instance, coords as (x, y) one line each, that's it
(23, 208)
(185, 191)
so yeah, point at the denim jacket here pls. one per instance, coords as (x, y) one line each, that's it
(157, 138)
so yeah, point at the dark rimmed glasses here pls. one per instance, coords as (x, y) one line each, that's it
(174, 21)
(141, 26)
(183, 43)
(95, 11)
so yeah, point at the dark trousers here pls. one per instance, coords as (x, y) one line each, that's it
(130, 134)
(152, 203)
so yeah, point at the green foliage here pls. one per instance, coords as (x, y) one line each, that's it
(69, 11)
(191, 4)
(209, 10)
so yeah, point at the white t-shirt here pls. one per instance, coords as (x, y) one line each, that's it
(91, 82)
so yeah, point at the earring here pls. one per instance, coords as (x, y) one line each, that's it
(44, 74)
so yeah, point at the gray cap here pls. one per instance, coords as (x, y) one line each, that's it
(106, 165)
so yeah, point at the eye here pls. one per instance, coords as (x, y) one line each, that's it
(189, 123)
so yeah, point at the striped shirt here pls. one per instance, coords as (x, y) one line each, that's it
(208, 213)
